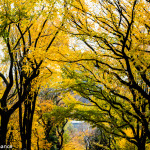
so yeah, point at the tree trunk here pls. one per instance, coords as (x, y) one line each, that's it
(3, 128)
(22, 127)
(29, 128)
(141, 147)
(141, 144)
(26, 123)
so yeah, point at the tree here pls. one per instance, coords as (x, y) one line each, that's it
(52, 117)
(112, 70)
(98, 139)
(28, 32)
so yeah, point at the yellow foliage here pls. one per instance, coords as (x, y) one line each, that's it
(123, 143)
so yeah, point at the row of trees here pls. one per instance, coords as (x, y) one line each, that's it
(27, 34)
(112, 68)
(109, 65)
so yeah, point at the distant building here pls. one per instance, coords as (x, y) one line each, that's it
(81, 125)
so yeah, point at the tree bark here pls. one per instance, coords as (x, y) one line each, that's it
(141, 147)
(142, 143)
(26, 123)
(3, 129)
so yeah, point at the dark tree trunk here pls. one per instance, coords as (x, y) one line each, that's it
(3, 128)
(22, 123)
(61, 133)
(38, 148)
(141, 146)
(31, 109)
(26, 122)
(142, 143)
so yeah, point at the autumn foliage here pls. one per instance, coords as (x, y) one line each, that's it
(75, 60)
